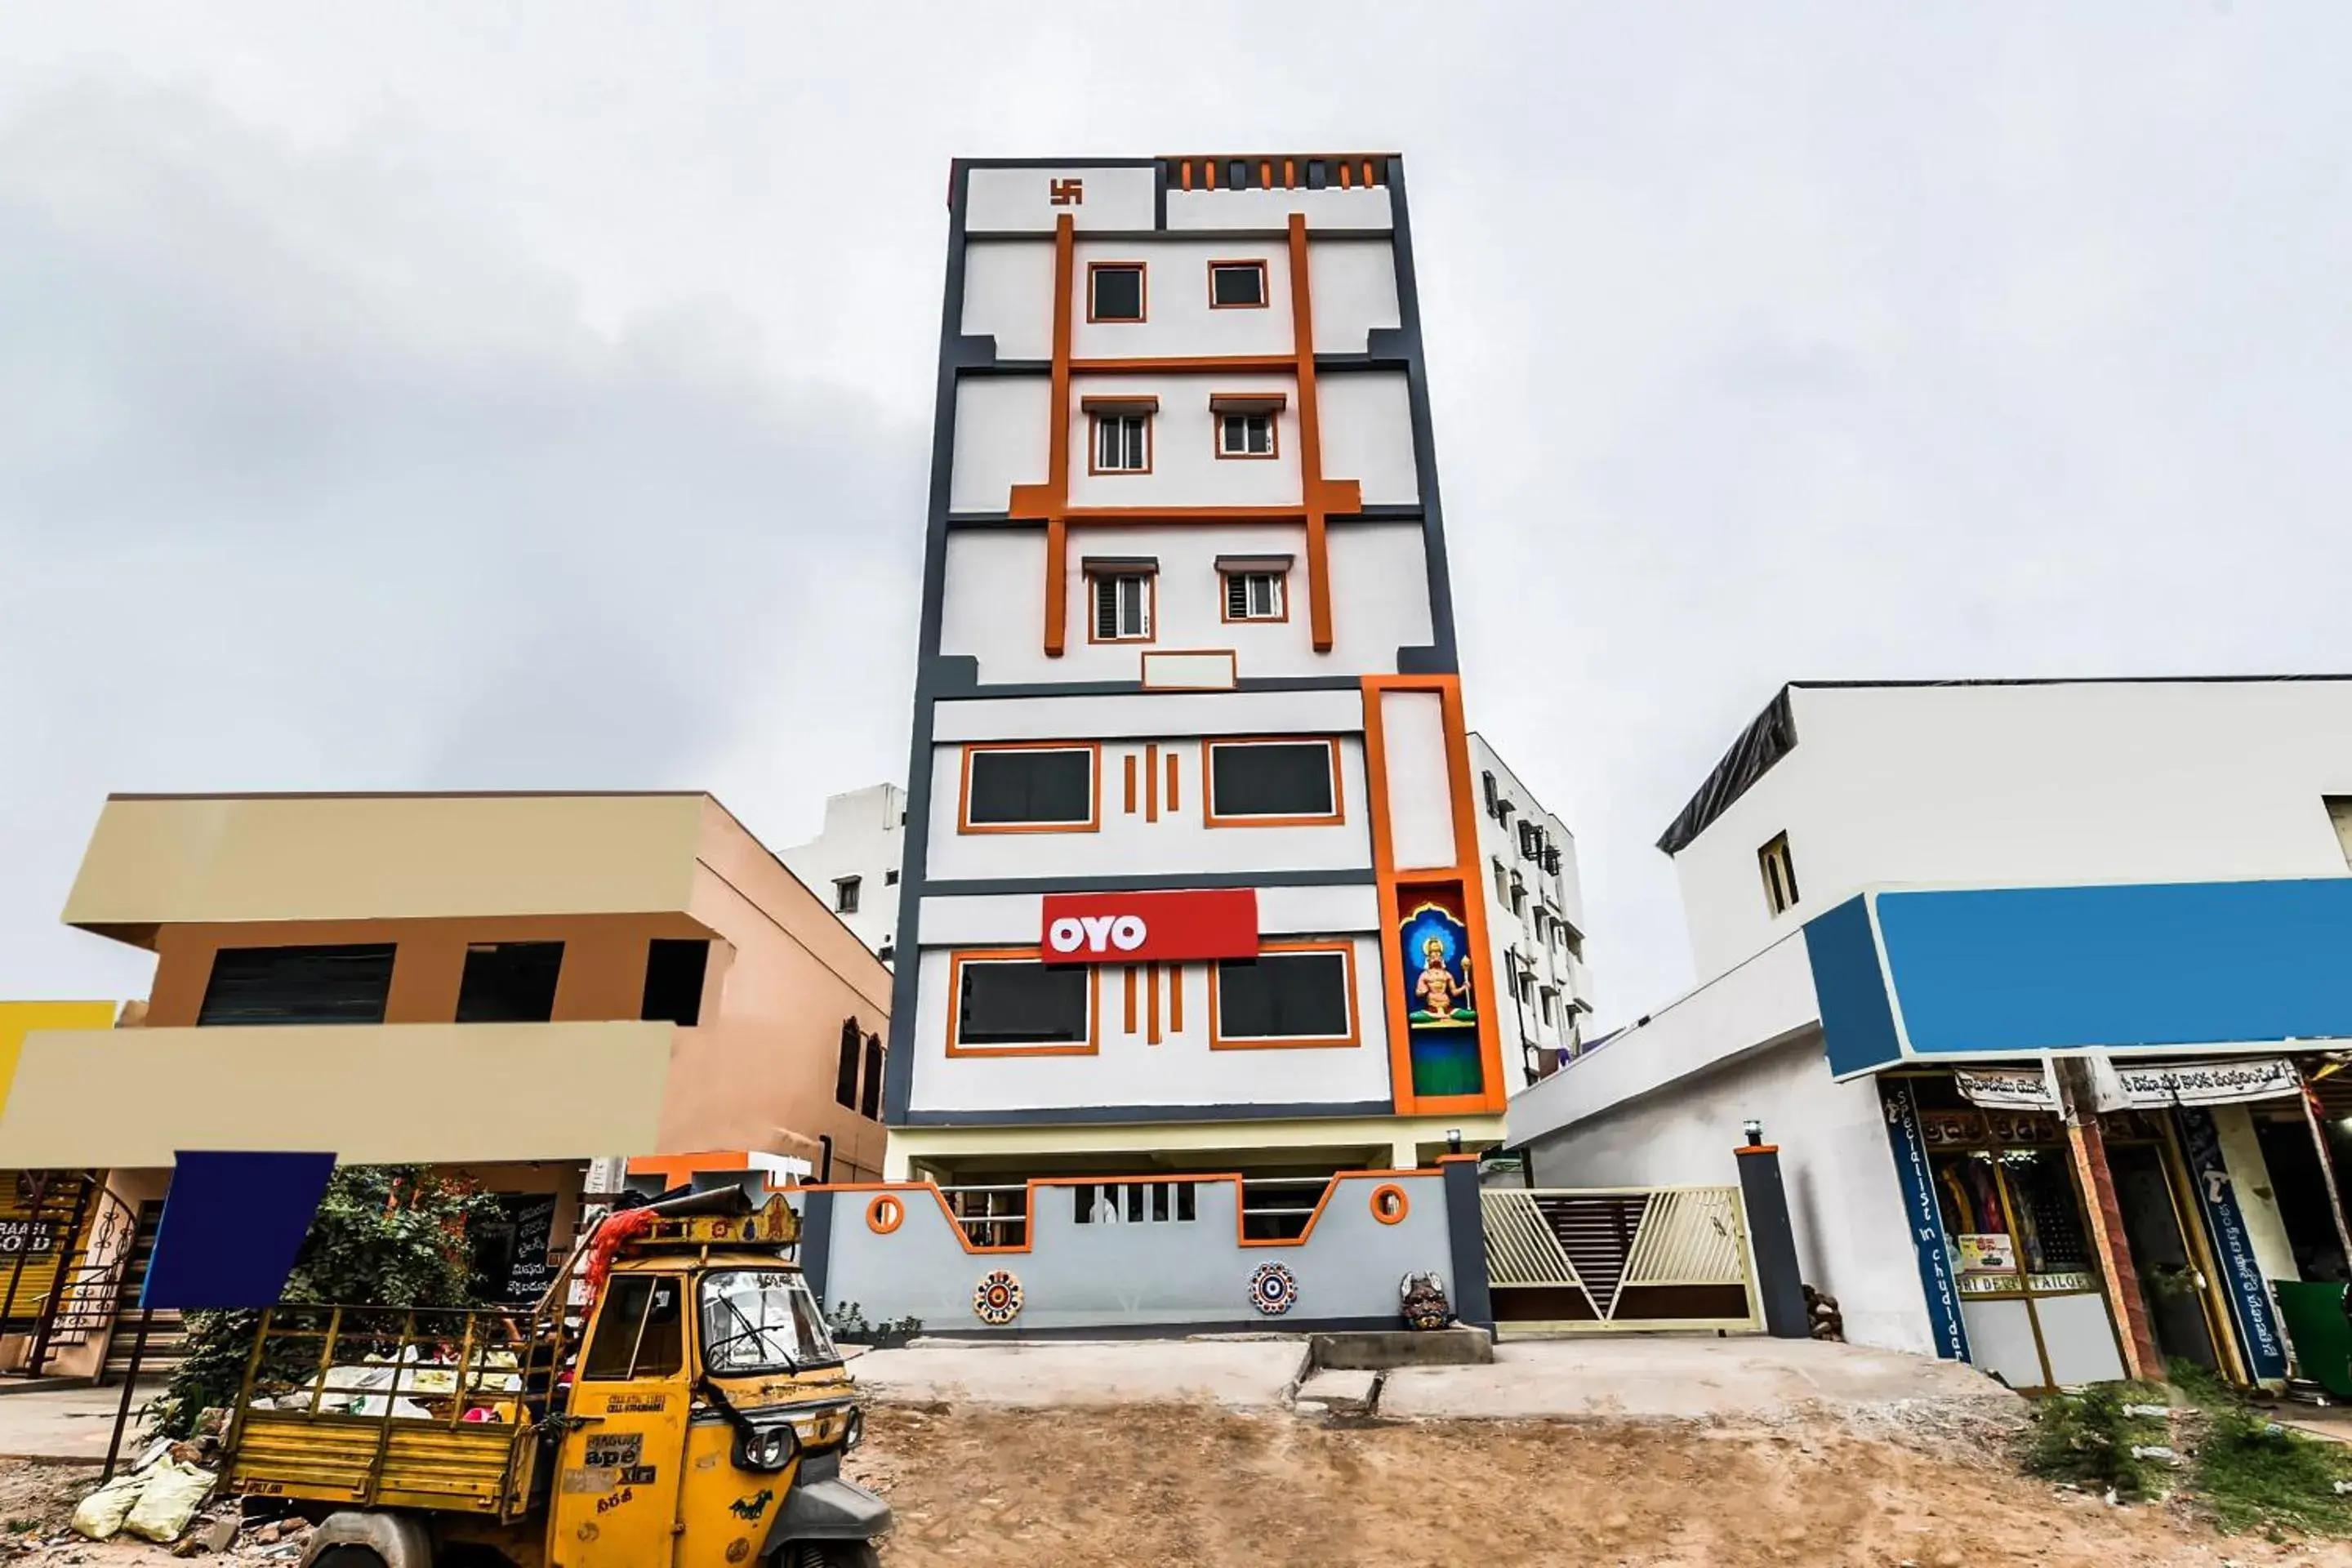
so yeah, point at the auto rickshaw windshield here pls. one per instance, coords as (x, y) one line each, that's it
(761, 1320)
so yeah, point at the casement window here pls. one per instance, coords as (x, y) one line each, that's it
(1550, 1005)
(1270, 784)
(1236, 285)
(1122, 605)
(1247, 422)
(1021, 1005)
(1122, 443)
(1302, 995)
(345, 984)
(1114, 291)
(674, 968)
(845, 1066)
(510, 981)
(869, 1104)
(1255, 586)
(1502, 881)
(1036, 789)
(1780, 873)
(845, 891)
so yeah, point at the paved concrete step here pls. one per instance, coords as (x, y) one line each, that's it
(1339, 1393)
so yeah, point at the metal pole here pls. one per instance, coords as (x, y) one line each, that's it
(130, 1385)
(2310, 1097)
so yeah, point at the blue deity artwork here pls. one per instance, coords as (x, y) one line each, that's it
(1441, 1004)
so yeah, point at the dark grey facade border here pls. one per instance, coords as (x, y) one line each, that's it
(1145, 882)
(1098, 1115)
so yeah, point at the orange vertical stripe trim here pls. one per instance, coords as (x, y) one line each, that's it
(1186, 169)
(1130, 969)
(1310, 442)
(1209, 172)
(1384, 878)
(1289, 172)
(1151, 781)
(1175, 994)
(1347, 176)
(1265, 172)
(1057, 442)
(1171, 779)
(1131, 783)
(1151, 1008)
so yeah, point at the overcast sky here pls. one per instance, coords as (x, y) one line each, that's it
(460, 394)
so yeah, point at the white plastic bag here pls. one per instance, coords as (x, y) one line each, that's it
(100, 1515)
(171, 1498)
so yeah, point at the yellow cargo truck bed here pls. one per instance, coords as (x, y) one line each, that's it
(467, 1467)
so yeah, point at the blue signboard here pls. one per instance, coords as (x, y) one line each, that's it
(1937, 1278)
(232, 1225)
(2233, 1250)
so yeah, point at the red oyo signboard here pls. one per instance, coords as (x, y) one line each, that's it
(1150, 928)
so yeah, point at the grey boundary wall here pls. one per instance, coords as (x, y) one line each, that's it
(1151, 1277)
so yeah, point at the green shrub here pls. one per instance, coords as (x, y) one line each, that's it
(2251, 1473)
(2085, 1439)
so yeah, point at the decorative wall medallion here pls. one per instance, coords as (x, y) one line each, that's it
(996, 1299)
(1273, 1290)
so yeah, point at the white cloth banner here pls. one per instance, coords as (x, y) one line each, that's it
(2008, 1088)
(2209, 1083)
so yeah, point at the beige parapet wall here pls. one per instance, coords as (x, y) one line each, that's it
(395, 1093)
(180, 860)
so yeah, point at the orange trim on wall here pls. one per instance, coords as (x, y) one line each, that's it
(1175, 994)
(1209, 817)
(1094, 768)
(886, 1214)
(1381, 1209)
(1127, 977)
(1355, 1035)
(1151, 1004)
(956, 962)
(1130, 760)
(1171, 779)
(1183, 364)
(1151, 781)
(1050, 500)
(1029, 1200)
(1310, 442)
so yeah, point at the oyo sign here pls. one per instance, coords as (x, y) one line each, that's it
(1150, 928)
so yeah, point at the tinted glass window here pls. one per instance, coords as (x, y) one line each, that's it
(1284, 996)
(869, 1103)
(1237, 285)
(641, 1330)
(1018, 1004)
(673, 971)
(343, 984)
(1017, 787)
(845, 1072)
(1275, 779)
(1118, 293)
(509, 983)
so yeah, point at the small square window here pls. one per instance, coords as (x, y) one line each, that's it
(1254, 597)
(1236, 285)
(1114, 291)
(1780, 873)
(845, 894)
(1122, 607)
(890, 879)
(1122, 443)
(1245, 435)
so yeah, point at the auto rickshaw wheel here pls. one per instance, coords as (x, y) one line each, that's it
(834, 1554)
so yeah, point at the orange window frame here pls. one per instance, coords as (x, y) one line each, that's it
(1210, 817)
(1264, 284)
(1220, 1041)
(1225, 600)
(1093, 823)
(1273, 418)
(958, 961)
(1151, 607)
(1143, 293)
(1094, 445)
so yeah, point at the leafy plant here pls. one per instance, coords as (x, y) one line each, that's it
(2254, 1474)
(847, 1321)
(386, 1235)
(2085, 1439)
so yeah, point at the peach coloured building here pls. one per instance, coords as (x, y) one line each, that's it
(511, 986)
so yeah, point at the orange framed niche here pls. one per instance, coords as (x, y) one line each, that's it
(963, 958)
(1093, 823)
(1212, 818)
(1220, 1041)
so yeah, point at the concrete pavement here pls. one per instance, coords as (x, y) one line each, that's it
(1240, 1375)
(70, 1424)
(1687, 1378)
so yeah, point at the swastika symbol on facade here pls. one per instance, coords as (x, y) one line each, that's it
(1067, 192)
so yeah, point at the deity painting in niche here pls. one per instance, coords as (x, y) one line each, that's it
(1441, 999)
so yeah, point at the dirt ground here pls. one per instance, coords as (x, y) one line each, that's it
(1183, 1485)
(1168, 1485)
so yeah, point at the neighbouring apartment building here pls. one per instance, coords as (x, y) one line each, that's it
(853, 862)
(1193, 916)
(2041, 989)
(506, 987)
(1535, 919)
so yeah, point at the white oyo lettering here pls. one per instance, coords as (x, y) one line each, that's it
(1066, 935)
(1127, 933)
(1098, 931)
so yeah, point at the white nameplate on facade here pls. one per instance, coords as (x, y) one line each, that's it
(1189, 672)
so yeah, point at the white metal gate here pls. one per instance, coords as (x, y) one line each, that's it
(1606, 1258)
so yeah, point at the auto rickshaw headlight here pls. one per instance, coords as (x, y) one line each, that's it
(853, 1429)
(767, 1447)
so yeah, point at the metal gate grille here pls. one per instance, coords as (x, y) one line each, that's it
(1619, 1258)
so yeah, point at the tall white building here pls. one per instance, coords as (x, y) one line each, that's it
(1535, 919)
(854, 862)
(1194, 872)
